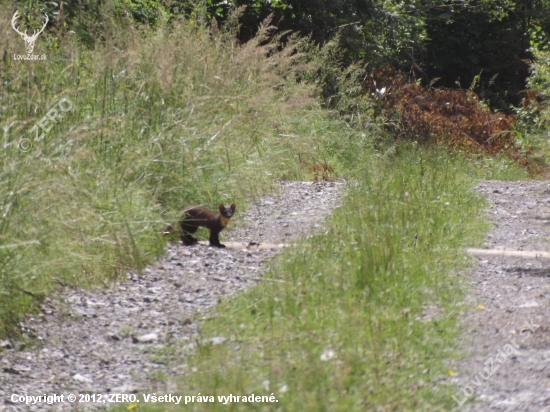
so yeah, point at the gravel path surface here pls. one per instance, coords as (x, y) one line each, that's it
(126, 338)
(507, 333)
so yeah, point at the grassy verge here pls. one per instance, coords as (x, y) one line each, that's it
(363, 316)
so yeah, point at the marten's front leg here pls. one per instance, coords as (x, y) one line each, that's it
(215, 239)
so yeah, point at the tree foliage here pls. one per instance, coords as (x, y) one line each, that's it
(485, 46)
(464, 43)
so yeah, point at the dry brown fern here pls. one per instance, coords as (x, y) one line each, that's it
(439, 115)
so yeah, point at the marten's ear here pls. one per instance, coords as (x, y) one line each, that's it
(221, 208)
(233, 207)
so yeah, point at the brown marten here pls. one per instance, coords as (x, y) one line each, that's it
(195, 216)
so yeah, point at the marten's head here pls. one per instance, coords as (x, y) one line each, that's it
(226, 213)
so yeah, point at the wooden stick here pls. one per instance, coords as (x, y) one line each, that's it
(243, 245)
(526, 254)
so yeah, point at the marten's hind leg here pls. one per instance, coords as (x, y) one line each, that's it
(187, 229)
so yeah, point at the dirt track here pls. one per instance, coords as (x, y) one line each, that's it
(131, 336)
(115, 340)
(506, 328)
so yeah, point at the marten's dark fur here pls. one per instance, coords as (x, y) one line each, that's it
(195, 216)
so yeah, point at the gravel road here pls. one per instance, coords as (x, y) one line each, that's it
(130, 336)
(506, 328)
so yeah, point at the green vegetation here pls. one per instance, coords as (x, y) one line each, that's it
(153, 117)
(363, 316)
(389, 256)
(151, 122)
(459, 43)
(533, 118)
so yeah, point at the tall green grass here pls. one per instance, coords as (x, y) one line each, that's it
(363, 316)
(159, 120)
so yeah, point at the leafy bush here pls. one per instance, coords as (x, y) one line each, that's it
(535, 111)
(142, 11)
(533, 117)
